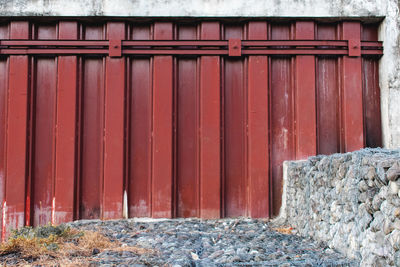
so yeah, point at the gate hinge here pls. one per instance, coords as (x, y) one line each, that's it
(354, 48)
(114, 48)
(235, 47)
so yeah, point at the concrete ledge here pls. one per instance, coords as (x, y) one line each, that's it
(194, 8)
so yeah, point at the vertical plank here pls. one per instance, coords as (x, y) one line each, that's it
(92, 123)
(371, 92)
(66, 129)
(352, 92)
(187, 120)
(210, 132)
(140, 123)
(258, 143)
(14, 204)
(43, 114)
(114, 129)
(282, 145)
(162, 127)
(327, 94)
(306, 129)
(4, 34)
(235, 120)
(372, 103)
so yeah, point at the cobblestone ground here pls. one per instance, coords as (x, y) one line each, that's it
(193, 242)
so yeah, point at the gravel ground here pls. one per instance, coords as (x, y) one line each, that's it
(194, 242)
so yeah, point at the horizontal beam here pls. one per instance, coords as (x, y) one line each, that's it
(104, 52)
(7, 42)
(188, 47)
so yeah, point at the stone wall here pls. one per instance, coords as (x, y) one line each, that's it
(350, 201)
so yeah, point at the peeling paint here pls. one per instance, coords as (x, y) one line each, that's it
(42, 215)
(62, 217)
(141, 208)
(125, 206)
(53, 208)
(12, 219)
(3, 225)
(115, 212)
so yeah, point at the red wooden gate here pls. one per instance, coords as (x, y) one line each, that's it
(174, 119)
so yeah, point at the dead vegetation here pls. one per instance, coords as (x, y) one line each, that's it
(284, 230)
(58, 246)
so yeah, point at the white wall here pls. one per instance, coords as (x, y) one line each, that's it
(367, 9)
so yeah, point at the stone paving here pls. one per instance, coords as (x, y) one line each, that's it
(194, 242)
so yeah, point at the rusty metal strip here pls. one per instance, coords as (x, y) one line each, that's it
(16, 207)
(177, 43)
(150, 52)
(352, 91)
(305, 96)
(65, 184)
(114, 126)
(210, 131)
(162, 180)
(258, 122)
(117, 48)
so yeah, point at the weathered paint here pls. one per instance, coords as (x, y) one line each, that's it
(368, 10)
(172, 135)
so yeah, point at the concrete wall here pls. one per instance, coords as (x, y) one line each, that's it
(367, 9)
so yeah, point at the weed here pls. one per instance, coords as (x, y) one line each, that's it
(59, 245)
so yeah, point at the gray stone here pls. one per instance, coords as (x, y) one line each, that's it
(376, 202)
(397, 259)
(362, 186)
(369, 172)
(394, 239)
(394, 187)
(377, 223)
(216, 254)
(393, 172)
(387, 227)
(396, 224)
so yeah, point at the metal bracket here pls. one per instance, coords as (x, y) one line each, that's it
(114, 48)
(354, 48)
(235, 47)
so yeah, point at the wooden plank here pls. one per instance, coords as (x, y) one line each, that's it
(14, 204)
(162, 127)
(353, 133)
(306, 129)
(114, 129)
(210, 131)
(258, 121)
(65, 183)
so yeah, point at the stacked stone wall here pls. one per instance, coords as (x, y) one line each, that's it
(350, 201)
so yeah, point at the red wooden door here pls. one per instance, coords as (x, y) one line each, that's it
(170, 119)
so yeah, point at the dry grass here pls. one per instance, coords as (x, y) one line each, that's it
(286, 231)
(60, 246)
